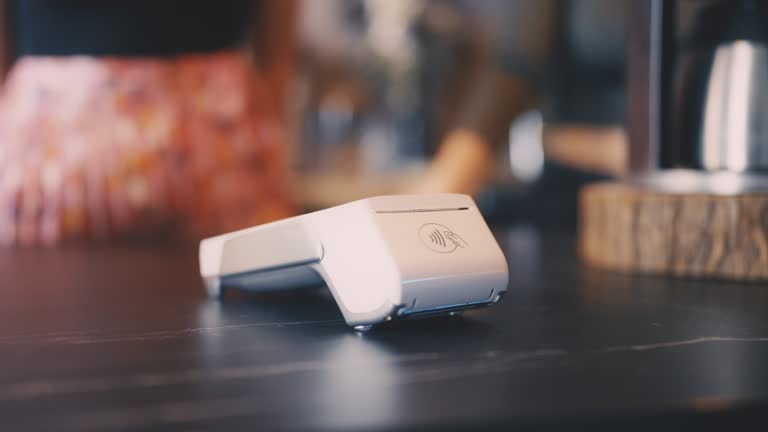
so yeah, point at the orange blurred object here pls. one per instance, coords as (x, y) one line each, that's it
(110, 147)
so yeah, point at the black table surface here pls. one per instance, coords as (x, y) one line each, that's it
(123, 338)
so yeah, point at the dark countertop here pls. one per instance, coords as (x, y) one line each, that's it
(122, 337)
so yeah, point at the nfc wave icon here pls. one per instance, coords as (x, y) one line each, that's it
(440, 238)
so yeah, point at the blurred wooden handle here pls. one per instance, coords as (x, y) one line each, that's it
(596, 149)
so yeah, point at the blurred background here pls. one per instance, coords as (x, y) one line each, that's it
(385, 87)
(517, 103)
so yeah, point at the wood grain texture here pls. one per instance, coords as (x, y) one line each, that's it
(630, 228)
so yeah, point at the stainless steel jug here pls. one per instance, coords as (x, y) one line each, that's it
(720, 91)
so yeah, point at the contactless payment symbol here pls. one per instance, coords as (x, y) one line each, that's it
(440, 238)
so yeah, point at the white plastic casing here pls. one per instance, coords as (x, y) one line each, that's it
(382, 257)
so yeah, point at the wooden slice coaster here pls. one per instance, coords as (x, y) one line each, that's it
(640, 229)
